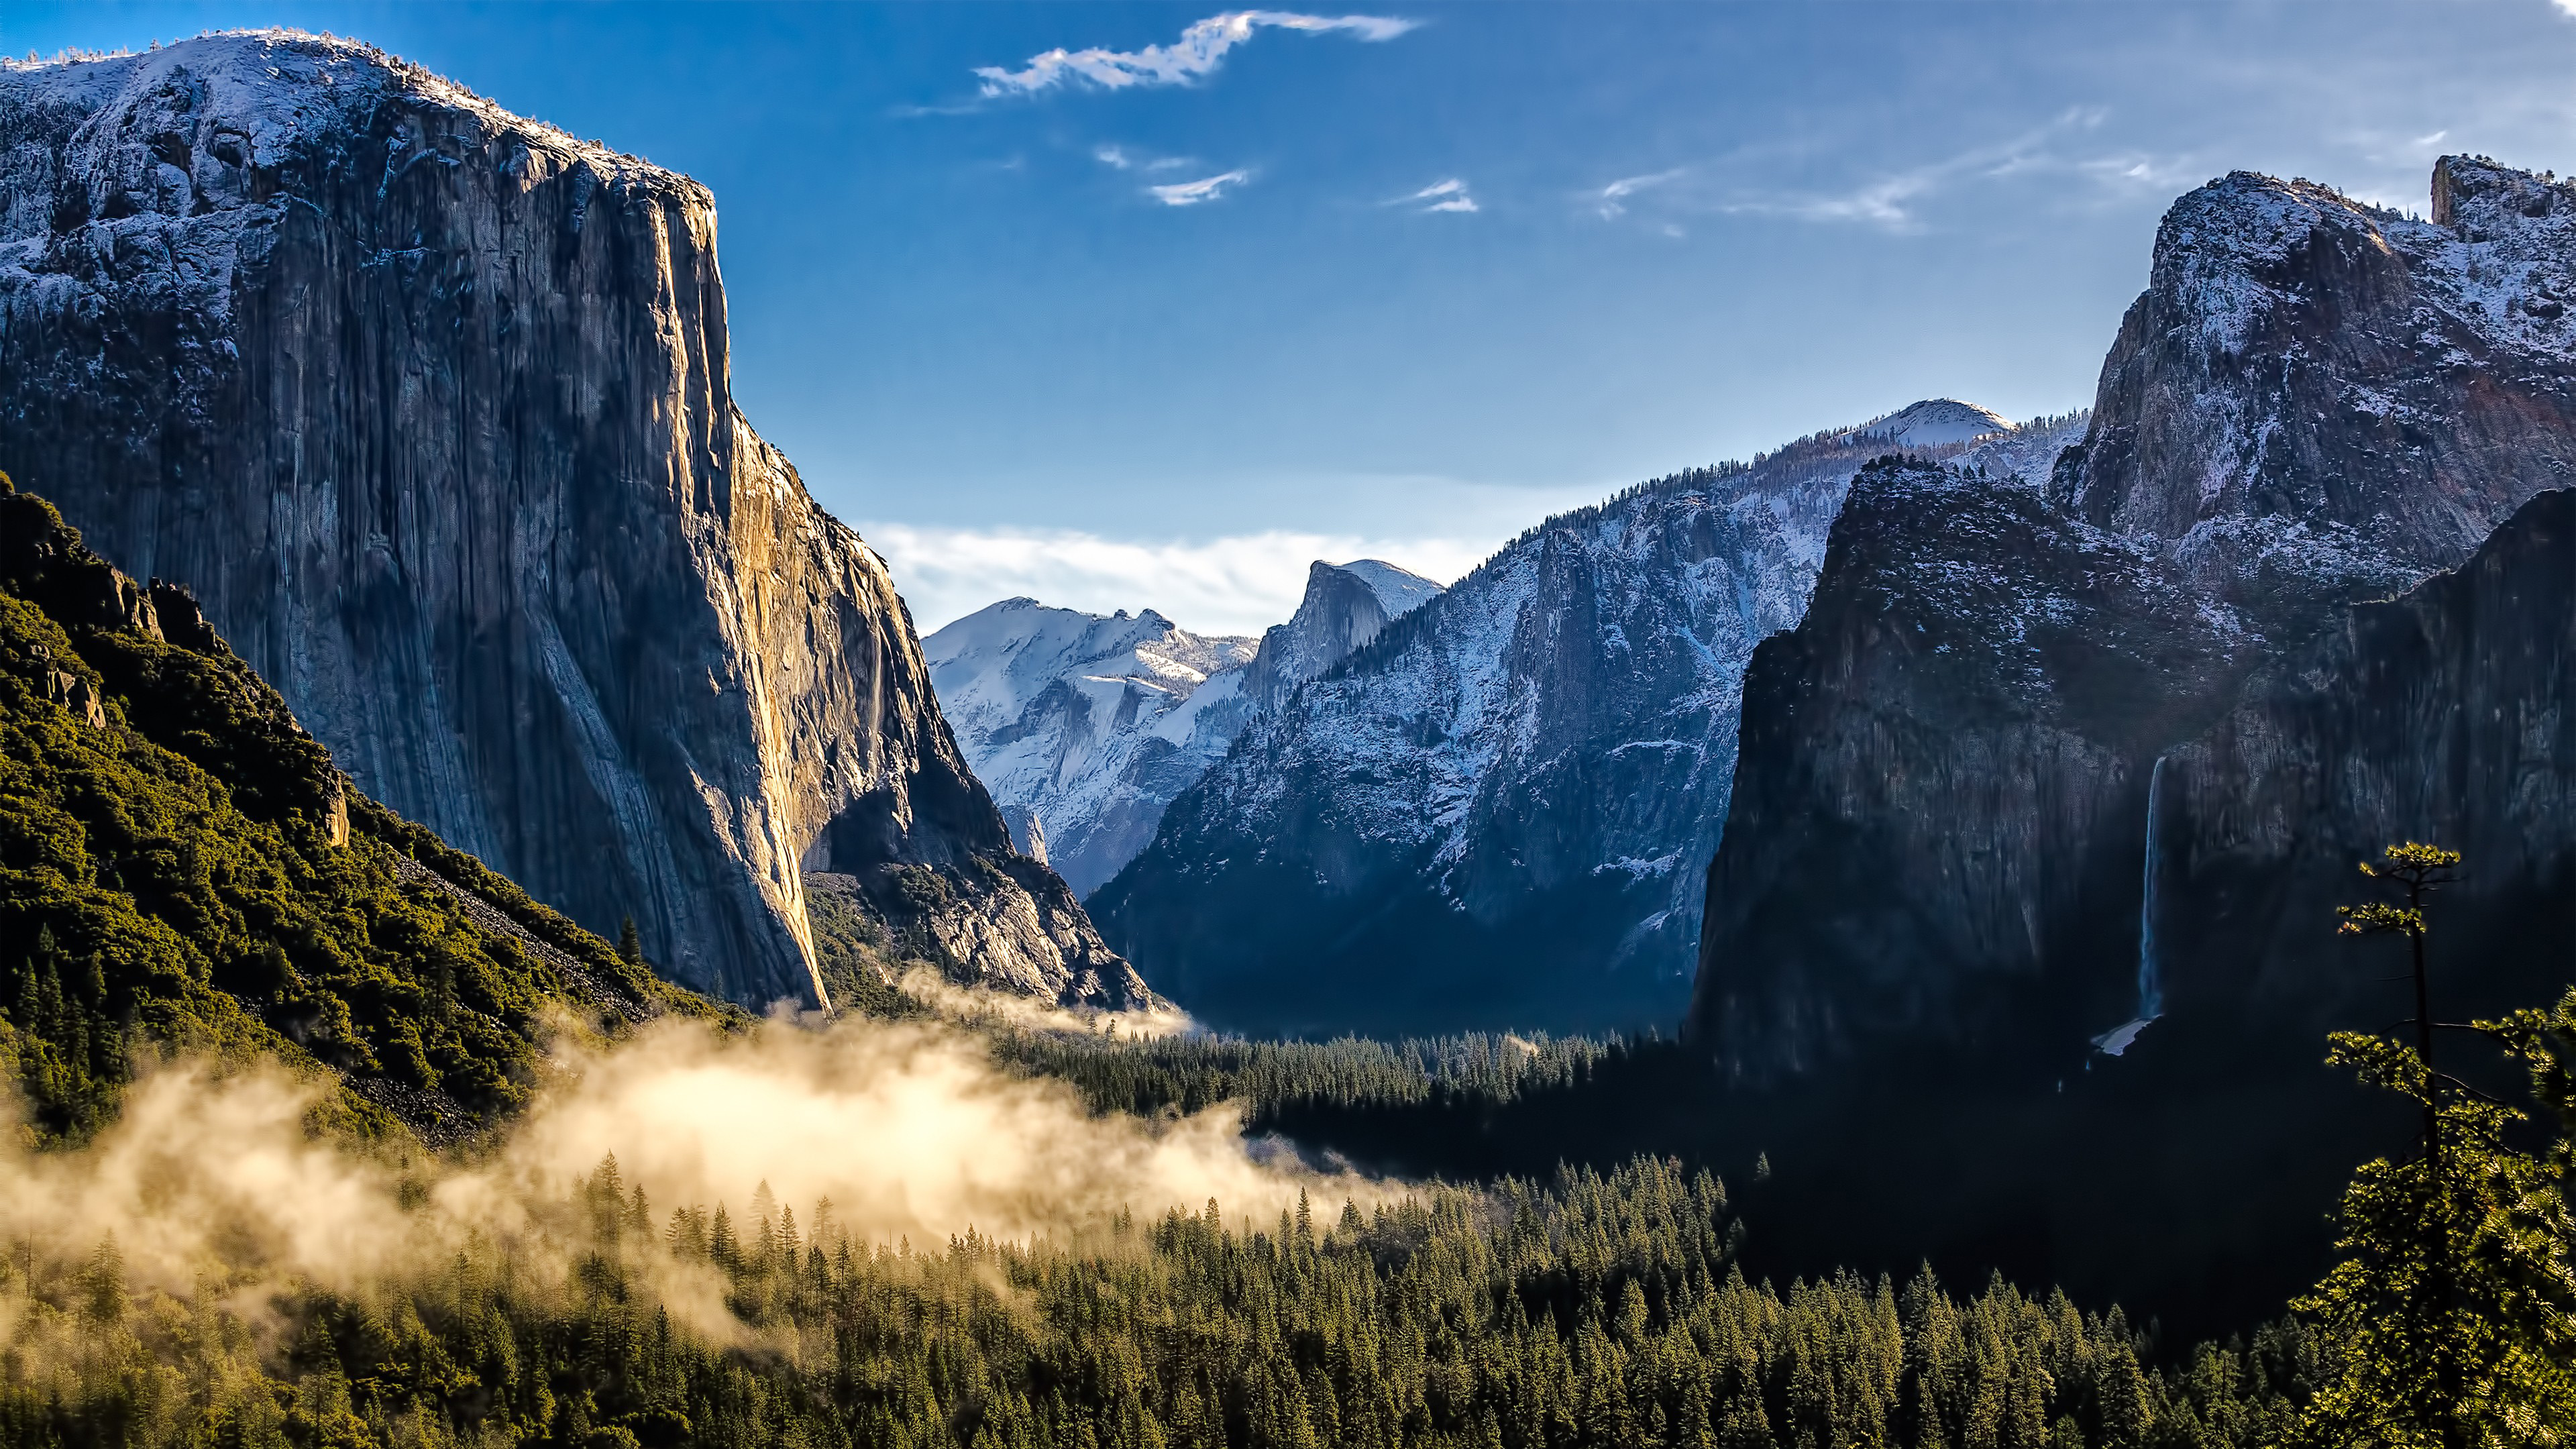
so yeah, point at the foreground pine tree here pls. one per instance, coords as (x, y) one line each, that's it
(2453, 1305)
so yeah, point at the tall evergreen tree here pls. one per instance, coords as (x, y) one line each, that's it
(2452, 1309)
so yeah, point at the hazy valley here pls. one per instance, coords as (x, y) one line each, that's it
(509, 932)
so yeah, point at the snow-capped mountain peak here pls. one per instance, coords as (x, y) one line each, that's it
(1399, 591)
(1933, 423)
(1084, 726)
(1498, 813)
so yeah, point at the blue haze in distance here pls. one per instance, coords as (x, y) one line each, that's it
(1155, 327)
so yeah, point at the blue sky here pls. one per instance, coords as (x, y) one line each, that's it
(1442, 268)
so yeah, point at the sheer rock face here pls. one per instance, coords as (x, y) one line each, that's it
(2444, 715)
(1494, 813)
(430, 404)
(1939, 833)
(1345, 606)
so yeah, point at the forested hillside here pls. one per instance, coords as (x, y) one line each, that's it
(1593, 1310)
(181, 866)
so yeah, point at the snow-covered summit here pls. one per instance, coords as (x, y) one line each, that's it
(1498, 812)
(1346, 605)
(1399, 591)
(1933, 423)
(1084, 726)
(255, 98)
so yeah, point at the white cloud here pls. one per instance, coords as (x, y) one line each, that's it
(1234, 585)
(1206, 188)
(1610, 201)
(1195, 54)
(1449, 195)
(1122, 159)
(2568, 5)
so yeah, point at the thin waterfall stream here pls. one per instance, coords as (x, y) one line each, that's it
(2151, 981)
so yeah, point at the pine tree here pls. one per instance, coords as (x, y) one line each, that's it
(2453, 1305)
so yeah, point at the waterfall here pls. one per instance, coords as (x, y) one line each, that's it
(2151, 981)
(2151, 977)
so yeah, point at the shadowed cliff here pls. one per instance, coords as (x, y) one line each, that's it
(2025, 896)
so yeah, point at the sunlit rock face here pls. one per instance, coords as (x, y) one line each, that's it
(430, 404)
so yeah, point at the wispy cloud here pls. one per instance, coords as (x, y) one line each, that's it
(1449, 195)
(1197, 53)
(1240, 584)
(1611, 201)
(1894, 201)
(1206, 188)
(1123, 159)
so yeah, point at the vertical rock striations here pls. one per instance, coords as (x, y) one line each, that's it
(2448, 714)
(431, 404)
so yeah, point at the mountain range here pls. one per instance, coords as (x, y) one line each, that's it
(1085, 727)
(2026, 893)
(1973, 795)
(1497, 811)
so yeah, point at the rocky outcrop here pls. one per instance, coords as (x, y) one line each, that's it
(1495, 812)
(431, 405)
(2444, 715)
(1939, 831)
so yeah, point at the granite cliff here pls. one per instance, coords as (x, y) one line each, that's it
(431, 405)
(1345, 606)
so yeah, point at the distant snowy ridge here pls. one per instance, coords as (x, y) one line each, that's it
(1085, 726)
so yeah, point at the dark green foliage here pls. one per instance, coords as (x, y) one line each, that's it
(2453, 1308)
(856, 955)
(181, 865)
(2454, 1304)
(1594, 1311)
(1192, 1073)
